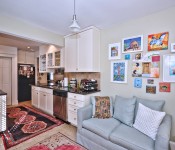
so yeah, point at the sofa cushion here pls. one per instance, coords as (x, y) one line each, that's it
(130, 138)
(102, 127)
(152, 104)
(148, 120)
(124, 109)
(102, 106)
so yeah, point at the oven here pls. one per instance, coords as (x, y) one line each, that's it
(60, 104)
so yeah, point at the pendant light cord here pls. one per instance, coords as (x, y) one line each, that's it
(74, 7)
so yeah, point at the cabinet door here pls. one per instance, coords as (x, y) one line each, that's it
(21, 56)
(49, 59)
(85, 51)
(42, 101)
(49, 105)
(57, 58)
(42, 63)
(35, 98)
(30, 58)
(71, 53)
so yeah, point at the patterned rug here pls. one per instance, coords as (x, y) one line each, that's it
(57, 142)
(24, 122)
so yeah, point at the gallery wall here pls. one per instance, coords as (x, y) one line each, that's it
(155, 23)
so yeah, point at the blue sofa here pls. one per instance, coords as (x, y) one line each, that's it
(111, 134)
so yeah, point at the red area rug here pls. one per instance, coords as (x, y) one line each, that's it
(57, 142)
(24, 122)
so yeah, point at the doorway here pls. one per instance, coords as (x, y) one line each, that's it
(6, 78)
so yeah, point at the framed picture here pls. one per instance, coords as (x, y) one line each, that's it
(137, 69)
(132, 44)
(151, 89)
(158, 41)
(150, 81)
(172, 47)
(119, 71)
(138, 82)
(114, 51)
(169, 68)
(164, 87)
(137, 57)
(127, 56)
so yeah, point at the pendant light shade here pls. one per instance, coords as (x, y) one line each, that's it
(74, 26)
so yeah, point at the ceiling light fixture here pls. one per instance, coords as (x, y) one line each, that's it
(74, 26)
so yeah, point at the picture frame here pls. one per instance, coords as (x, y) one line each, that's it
(119, 71)
(127, 56)
(164, 87)
(114, 51)
(132, 44)
(169, 68)
(172, 47)
(150, 89)
(138, 82)
(137, 57)
(158, 41)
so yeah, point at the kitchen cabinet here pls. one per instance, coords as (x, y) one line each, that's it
(76, 101)
(42, 98)
(54, 59)
(25, 57)
(42, 63)
(35, 96)
(82, 51)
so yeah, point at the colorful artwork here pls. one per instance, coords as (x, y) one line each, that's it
(164, 87)
(138, 82)
(172, 47)
(151, 89)
(146, 71)
(169, 68)
(137, 69)
(114, 51)
(132, 44)
(137, 56)
(158, 41)
(150, 81)
(127, 57)
(119, 71)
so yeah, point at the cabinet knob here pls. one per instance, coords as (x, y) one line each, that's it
(74, 102)
(44, 95)
(74, 109)
(74, 96)
(74, 118)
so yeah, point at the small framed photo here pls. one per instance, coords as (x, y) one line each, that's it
(151, 89)
(137, 56)
(114, 51)
(127, 56)
(150, 81)
(172, 47)
(169, 68)
(164, 87)
(137, 82)
(132, 44)
(119, 71)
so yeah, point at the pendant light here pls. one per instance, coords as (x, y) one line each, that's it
(74, 26)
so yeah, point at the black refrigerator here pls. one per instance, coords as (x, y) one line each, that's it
(26, 77)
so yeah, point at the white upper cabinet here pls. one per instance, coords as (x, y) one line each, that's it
(82, 51)
(25, 57)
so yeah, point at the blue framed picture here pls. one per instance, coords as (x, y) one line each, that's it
(138, 82)
(119, 71)
(127, 57)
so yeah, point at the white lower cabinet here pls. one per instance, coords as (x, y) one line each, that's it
(76, 101)
(42, 98)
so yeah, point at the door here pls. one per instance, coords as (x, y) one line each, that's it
(5, 77)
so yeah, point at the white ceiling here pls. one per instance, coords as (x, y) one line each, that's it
(56, 15)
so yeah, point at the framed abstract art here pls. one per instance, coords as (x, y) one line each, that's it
(119, 71)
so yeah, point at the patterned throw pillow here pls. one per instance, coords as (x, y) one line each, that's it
(148, 121)
(102, 107)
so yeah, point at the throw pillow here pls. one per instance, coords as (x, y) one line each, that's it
(124, 110)
(148, 121)
(102, 107)
(152, 104)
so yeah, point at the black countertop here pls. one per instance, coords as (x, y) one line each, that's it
(57, 88)
(2, 93)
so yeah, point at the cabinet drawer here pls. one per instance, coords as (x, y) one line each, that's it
(72, 108)
(76, 103)
(72, 117)
(35, 88)
(46, 90)
(76, 96)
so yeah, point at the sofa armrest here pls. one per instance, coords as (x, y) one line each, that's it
(163, 134)
(83, 113)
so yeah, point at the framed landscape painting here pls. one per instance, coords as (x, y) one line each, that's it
(119, 71)
(158, 41)
(114, 51)
(132, 44)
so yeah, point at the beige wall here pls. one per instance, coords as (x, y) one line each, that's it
(155, 23)
(22, 29)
